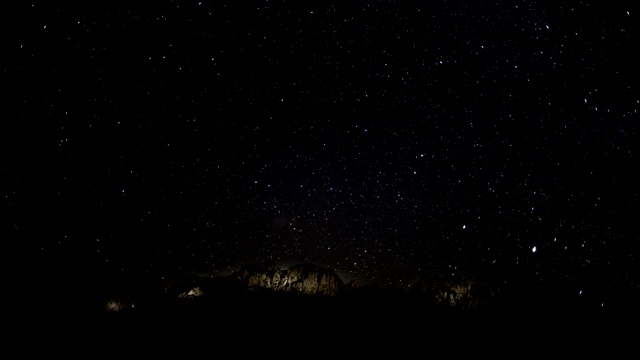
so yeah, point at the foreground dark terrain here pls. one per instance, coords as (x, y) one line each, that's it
(307, 304)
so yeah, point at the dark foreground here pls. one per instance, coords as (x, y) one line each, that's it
(258, 324)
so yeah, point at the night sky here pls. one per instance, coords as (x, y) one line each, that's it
(383, 139)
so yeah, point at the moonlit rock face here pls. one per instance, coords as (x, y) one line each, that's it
(195, 292)
(305, 279)
(116, 305)
(454, 291)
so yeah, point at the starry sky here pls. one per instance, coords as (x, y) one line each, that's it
(383, 139)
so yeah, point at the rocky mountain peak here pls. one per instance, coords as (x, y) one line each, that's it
(306, 279)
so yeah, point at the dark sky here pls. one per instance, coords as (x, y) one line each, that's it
(383, 139)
